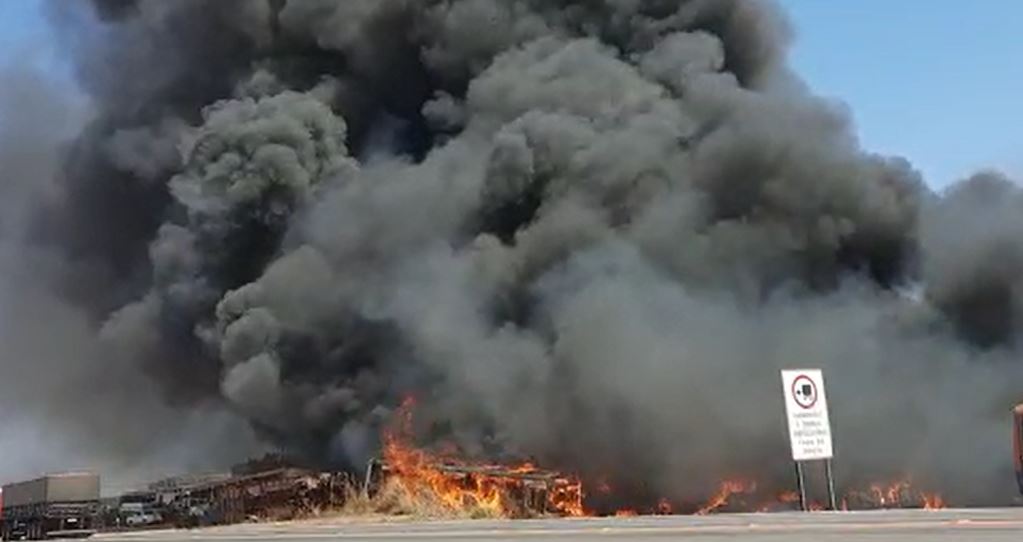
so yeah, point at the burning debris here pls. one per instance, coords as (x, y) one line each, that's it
(897, 495)
(725, 495)
(269, 488)
(445, 485)
(456, 487)
(481, 491)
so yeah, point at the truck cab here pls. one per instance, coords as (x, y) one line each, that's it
(1017, 444)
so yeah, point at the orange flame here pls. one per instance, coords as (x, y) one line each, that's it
(932, 501)
(725, 492)
(788, 497)
(503, 491)
(892, 495)
(900, 494)
(463, 486)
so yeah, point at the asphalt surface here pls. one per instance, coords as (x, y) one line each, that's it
(891, 526)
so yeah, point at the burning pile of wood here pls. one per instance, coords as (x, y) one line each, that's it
(250, 494)
(451, 486)
(478, 490)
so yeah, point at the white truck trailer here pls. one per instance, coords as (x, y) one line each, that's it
(54, 506)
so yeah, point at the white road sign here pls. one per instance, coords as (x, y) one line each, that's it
(806, 407)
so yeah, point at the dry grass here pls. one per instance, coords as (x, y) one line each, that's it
(394, 499)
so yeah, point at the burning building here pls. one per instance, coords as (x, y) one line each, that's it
(584, 233)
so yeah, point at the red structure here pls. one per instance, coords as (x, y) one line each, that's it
(1017, 443)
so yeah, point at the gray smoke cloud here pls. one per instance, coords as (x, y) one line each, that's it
(589, 233)
(67, 401)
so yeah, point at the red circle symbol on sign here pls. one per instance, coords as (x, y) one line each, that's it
(804, 391)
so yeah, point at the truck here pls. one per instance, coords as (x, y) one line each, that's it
(54, 506)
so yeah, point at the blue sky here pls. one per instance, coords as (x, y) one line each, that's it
(20, 25)
(937, 81)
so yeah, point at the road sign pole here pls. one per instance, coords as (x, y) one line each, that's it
(801, 485)
(806, 409)
(831, 485)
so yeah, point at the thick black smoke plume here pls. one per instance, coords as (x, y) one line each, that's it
(586, 232)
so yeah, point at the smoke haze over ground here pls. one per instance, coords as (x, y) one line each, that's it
(589, 233)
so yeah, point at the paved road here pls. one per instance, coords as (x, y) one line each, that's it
(896, 526)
